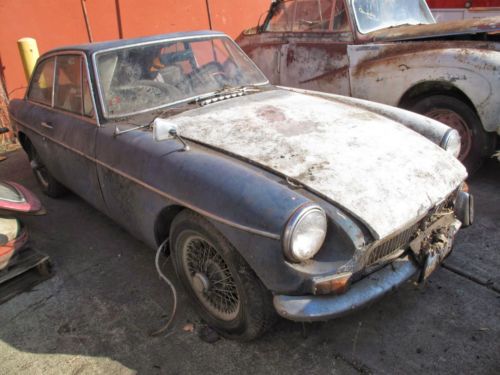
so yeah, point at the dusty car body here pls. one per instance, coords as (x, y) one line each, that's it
(389, 52)
(271, 199)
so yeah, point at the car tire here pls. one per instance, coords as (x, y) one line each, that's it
(47, 183)
(476, 142)
(240, 307)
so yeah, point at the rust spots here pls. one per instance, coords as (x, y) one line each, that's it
(473, 26)
(282, 123)
(271, 114)
(330, 75)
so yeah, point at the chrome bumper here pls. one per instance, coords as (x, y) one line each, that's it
(362, 293)
(464, 208)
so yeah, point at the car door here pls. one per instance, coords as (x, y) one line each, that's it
(314, 56)
(72, 129)
(37, 113)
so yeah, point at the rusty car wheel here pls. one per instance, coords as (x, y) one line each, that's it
(226, 292)
(476, 142)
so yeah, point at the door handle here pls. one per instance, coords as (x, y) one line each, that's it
(47, 125)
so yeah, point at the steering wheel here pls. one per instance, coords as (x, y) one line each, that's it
(166, 88)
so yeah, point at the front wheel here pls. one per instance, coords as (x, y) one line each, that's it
(226, 292)
(476, 142)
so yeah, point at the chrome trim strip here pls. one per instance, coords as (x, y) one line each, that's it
(53, 100)
(157, 191)
(208, 36)
(90, 120)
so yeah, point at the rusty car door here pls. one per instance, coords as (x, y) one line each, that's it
(314, 52)
(266, 53)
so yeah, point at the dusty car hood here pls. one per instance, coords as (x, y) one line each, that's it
(383, 173)
(462, 27)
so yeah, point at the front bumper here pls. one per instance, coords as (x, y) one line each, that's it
(429, 249)
(362, 293)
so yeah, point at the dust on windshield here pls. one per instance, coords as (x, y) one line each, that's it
(374, 15)
(145, 77)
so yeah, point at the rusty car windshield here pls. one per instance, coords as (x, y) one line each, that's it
(374, 15)
(146, 77)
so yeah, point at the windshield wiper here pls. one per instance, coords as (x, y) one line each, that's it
(157, 114)
(227, 92)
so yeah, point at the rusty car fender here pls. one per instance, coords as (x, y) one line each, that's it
(471, 69)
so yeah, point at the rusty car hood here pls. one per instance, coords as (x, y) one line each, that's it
(384, 174)
(454, 28)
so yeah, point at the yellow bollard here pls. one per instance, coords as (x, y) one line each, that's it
(28, 50)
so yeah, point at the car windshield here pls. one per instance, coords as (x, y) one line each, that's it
(141, 78)
(374, 15)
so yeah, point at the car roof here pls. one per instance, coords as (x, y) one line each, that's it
(91, 48)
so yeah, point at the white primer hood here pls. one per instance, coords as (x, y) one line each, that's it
(382, 172)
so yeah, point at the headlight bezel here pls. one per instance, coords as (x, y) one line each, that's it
(452, 142)
(292, 224)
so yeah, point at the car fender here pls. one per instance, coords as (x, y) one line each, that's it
(250, 207)
(472, 71)
(433, 130)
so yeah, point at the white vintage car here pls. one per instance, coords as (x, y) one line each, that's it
(390, 52)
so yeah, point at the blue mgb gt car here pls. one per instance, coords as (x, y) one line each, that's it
(274, 201)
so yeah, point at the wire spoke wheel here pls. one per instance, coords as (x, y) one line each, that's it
(210, 278)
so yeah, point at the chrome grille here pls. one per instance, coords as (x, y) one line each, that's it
(388, 246)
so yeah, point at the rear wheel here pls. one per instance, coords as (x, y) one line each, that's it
(48, 184)
(476, 142)
(226, 292)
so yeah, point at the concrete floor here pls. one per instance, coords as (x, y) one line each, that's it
(95, 314)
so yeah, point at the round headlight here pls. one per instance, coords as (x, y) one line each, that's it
(305, 233)
(452, 142)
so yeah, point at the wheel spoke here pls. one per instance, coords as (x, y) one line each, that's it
(218, 291)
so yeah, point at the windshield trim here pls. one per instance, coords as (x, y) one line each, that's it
(104, 108)
(353, 10)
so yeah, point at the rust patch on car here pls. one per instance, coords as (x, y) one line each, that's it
(271, 113)
(473, 26)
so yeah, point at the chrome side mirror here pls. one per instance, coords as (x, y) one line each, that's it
(165, 129)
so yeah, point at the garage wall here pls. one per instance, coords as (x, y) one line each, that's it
(61, 22)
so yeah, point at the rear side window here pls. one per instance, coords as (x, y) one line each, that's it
(68, 92)
(310, 15)
(43, 82)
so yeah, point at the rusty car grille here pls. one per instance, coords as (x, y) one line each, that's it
(390, 245)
